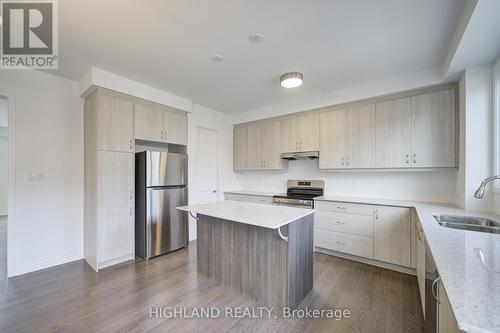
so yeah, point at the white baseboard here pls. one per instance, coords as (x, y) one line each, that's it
(373, 262)
(115, 261)
(46, 264)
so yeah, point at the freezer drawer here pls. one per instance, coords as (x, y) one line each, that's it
(165, 228)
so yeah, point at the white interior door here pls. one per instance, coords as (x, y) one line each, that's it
(208, 165)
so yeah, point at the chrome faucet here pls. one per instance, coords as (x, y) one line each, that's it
(480, 191)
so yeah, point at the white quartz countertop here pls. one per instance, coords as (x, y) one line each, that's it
(260, 215)
(256, 193)
(468, 262)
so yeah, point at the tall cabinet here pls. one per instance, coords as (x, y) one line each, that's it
(112, 123)
(109, 180)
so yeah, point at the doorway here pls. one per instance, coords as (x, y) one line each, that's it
(4, 186)
(208, 165)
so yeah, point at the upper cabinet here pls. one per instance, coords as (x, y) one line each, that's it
(347, 138)
(393, 133)
(360, 126)
(115, 130)
(240, 148)
(407, 131)
(148, 123)
(154, 124)
(434, 130)
(332, 140)
(258, 147)
(301, 133)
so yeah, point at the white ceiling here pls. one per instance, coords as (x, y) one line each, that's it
(335, 43)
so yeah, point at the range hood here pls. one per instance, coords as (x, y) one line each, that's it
(302, 155)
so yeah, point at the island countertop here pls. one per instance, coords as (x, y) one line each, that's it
(260, 215)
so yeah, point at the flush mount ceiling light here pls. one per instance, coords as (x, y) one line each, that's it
(217, 58)
(291, 79)
(255, 38)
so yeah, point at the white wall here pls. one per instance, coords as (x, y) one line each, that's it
(46, 224)
(477, 134)
(436, 185)
(4, 156)
(211, 119)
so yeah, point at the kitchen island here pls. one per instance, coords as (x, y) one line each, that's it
(263, 251)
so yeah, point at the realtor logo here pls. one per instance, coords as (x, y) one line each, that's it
(29, 35)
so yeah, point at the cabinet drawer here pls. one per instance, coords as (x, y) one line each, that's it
(235, 197)
(355, 224)
(353, 244)
(344, 207)
(261, 199)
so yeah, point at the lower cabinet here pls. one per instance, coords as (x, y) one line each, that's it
(392, 235)
(249, 198)
(374, 232)
(420, 249)
(446, 319)
(109, 225)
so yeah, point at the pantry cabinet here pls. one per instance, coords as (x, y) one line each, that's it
(160, 125)
(301, 133)
(392, 235)
(393, 134)
(434, 130)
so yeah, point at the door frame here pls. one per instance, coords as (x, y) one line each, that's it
(218, 160)
(11, 174)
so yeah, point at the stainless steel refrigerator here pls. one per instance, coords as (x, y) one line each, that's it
(161, 186)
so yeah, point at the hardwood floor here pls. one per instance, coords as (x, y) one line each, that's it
(73, 298)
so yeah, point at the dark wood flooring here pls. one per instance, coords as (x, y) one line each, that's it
(73, 298)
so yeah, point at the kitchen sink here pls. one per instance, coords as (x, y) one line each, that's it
(470, 223)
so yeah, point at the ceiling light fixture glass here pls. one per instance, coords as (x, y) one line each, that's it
(291, 79)
(217, 58)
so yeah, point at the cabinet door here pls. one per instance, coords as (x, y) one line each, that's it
(446, 319)
(116, 227)
(148, 123)
(271, 146)
(393, 133)
(240, 144)
(254, 161)
(175, 127)
(115, 201)
(361, 137)
(421, 263)
(433, 129)
(308, 131)
(392, 235)
(115, 178)
(332, 141)
(115, 124)
(290, 135)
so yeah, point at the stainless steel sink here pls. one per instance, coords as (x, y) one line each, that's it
(468, 223)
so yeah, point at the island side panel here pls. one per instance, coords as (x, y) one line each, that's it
(249, 259)
(300, 259)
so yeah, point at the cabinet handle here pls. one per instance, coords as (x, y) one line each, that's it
(340, 207)
(376, 214)
(347, 160)
(414, 158)
(407, 159)
(434, 290)
(343, 159)
(341, 243)
(130, 211)
(339, 222)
